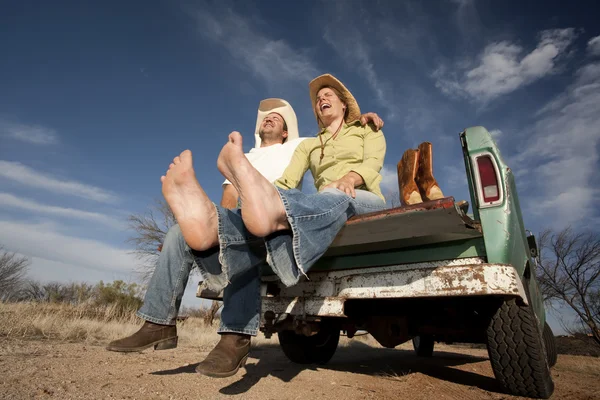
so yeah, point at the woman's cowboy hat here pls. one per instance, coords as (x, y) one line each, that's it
(282, 108)
(316, 84)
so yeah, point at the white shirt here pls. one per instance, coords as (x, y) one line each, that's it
(272, 160)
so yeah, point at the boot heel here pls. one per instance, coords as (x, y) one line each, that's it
(167, 344)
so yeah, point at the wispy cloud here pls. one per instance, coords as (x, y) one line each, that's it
(564, 147)
(271, 59)
(28, 176)
(34, 134)
(502, 68)
(43, 241)
(10, 200)
(348, 41)
(593, 46)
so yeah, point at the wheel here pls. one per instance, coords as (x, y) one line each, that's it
(516, 349)
(550, 343)
(423, 345)
(316, 349)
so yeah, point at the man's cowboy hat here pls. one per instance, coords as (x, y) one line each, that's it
(282, 108)
(353, 112)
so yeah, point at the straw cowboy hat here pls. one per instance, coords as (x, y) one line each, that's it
(282, 108)
(353, 112)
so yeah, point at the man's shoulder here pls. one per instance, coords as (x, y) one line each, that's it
(292, 144)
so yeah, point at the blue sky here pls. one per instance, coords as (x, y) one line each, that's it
(97, 97)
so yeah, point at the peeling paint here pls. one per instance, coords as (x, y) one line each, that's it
(403, 281)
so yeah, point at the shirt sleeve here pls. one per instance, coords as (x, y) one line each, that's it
(293, 174)
(374, 154)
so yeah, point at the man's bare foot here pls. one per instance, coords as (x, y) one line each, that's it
(195, 213)
(262, 210)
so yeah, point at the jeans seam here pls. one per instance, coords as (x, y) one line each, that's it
(321, 215)
(295, 234)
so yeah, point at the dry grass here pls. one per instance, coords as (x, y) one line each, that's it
(99, 325)
(84, 323)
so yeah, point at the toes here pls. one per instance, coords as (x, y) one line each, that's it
(185, 155)
(176, 160)
(162, 178)
(171, 166)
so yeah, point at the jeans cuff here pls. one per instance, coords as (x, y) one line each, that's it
(155, 320)
(243, 331)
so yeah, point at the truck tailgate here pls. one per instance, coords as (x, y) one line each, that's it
(409, 226)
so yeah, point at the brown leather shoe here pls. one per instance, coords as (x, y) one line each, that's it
(228, 356)
(407, 170)
(428, 186)
(162, 337)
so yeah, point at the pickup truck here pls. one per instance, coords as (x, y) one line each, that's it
(428, 272)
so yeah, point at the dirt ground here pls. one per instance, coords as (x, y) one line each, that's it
(50, 369)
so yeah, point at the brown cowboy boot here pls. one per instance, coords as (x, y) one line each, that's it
(228, 356)
(407, 169)
(162, 337)
(427, 184)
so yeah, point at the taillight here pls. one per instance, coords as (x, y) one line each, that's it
(490, 187)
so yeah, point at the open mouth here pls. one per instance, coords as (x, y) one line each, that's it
(325, 106)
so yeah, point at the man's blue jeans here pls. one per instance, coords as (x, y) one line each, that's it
(315, 220)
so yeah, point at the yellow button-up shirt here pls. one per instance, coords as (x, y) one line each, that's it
(356, 148)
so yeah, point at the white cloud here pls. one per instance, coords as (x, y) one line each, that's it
(593, 46)
(34, 134)
(9, 200)
(30, 177)
(564, 146)
(44, 242)
(269, 58)
(43, 270)
(502, 68)
(389, 181)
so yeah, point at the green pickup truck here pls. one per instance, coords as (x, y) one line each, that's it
(429, 272)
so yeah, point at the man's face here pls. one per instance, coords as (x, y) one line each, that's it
(272, 128)
(328, 104)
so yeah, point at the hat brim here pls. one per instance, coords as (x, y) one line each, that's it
(282, 108)
(329, 80)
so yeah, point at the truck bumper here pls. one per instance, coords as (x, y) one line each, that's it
(325, 293)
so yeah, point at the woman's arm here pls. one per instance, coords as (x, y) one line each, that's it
(374, 155)
(292, 176)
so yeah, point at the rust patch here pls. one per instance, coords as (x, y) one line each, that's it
(446, 202)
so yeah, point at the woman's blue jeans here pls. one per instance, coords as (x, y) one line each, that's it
(234, 266)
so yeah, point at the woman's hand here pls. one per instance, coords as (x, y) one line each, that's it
(346, 184)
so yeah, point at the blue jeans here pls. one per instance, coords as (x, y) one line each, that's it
(241, 299)
(315, 220)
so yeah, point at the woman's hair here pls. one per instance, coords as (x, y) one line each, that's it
(339, 95)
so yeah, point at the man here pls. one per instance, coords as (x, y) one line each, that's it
(276, 135)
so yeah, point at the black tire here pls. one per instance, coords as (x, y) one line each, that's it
(516, 349)
(550, 343)
(317, 349)
(423, 345)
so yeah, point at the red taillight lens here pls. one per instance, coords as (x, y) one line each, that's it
(488, 179)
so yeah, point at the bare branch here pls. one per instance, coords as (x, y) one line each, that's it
(149, 235)
(569, 271)
(13, 268)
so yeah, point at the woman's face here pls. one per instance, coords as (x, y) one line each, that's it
(329, 105)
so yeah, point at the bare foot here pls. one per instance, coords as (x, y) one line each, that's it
(195, 213)
(262, 210)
